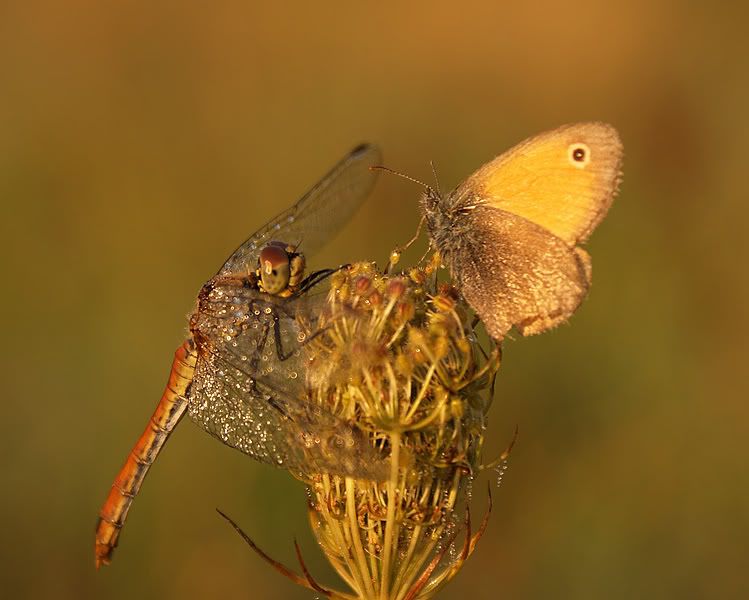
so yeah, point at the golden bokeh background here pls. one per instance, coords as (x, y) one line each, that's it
(141, 142)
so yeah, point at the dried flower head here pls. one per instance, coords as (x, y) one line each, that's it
(396, 356)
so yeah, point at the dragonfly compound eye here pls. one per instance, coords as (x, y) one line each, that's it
(275, 269)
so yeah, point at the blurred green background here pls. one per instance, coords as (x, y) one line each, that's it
(141, 142)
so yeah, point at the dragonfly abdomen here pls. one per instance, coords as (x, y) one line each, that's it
(169, 411)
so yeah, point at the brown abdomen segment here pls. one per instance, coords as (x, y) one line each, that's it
(128, 481)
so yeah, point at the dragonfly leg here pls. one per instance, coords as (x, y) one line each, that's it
(314, 278)
(280, 352)
(263, 339)
(282, 355)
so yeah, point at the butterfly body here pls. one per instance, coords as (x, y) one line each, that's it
(510, 233)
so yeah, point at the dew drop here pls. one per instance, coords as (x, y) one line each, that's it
(500, 470)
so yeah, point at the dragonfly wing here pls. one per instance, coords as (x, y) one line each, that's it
(277, 425)
(249, 387)
(243, 335)
(316, 217)
(226, 401)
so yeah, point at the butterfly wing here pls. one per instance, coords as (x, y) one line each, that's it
(315, 218)
(515, 224)
(514, 273)
(563, 180)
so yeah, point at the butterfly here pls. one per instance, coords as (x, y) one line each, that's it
(511, 232)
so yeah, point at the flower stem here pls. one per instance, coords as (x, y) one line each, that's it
(391, 531)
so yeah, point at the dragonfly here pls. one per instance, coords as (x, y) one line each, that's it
(240, 372)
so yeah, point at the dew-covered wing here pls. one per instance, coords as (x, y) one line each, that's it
(249, 390)
(316, 217)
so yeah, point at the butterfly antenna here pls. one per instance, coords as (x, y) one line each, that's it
(436, 179)
(396, 254)
(399, 174)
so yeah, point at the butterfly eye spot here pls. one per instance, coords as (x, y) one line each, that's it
(579, 155)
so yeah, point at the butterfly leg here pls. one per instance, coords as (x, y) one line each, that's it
(395, 255)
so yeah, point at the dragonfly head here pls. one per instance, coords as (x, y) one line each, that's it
(279, 269)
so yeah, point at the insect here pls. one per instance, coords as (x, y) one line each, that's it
(240, 373)
(511, 232)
